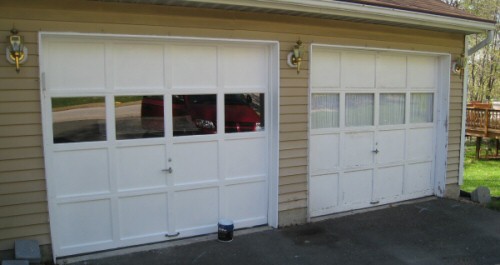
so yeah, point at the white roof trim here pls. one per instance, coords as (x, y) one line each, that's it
(359, 11)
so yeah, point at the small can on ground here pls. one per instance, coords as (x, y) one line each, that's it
(225, 230)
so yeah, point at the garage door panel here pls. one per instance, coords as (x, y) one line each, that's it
(138, 66)
(356, 187)
(391, 146)
(143, 216)
(194, 67)
(196, 209)
(324, 154)
(81, 172)
(87, 65)
(324, 190)
(146, 174)
(244, 158)
(391, 71)
(195, 162)
(422, 72)
(243, 206)
(244, 68)
(84, 223)
(355, 65)
(420, 144)
(326, 69)
(358, 149)
(418, 178)
(388, 183)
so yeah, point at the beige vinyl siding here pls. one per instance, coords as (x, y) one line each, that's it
(454, 130)
(23, 199)
(21, 160)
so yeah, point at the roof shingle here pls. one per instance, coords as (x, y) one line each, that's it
(435, 7)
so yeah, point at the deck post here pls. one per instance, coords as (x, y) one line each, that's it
(498, 146)
(486, 121)
(479, 140)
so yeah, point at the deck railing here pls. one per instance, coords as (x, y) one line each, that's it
(483, 122)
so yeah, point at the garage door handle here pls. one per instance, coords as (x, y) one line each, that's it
(375, 151)
(168, 170)
(172, 235)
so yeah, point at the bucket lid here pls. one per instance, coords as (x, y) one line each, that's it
(225, 222)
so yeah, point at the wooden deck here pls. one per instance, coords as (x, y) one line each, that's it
(483, 122)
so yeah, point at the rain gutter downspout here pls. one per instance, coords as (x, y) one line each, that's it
(482, 44)
(468, 52)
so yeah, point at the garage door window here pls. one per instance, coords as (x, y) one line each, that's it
(78, 119)
(422, 105)
(139, 117)
(244, 112)
(392, 109)
(359, 109)
(325, 110)
(194, 114)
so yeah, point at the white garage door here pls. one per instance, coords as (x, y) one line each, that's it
(372, 128)
(148, 140)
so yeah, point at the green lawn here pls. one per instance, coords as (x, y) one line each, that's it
(481, 172)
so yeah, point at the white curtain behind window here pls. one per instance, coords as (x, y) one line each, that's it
(392, 109)
(422, 106)
(325, 111)
(359, 109)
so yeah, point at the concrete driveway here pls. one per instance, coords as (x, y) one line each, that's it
(437, 231)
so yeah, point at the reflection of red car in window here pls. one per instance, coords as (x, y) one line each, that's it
(197, 114)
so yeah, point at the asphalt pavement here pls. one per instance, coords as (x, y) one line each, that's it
(438, 231)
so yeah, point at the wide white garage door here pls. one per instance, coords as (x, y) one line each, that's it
(148, 140)
(372, 128)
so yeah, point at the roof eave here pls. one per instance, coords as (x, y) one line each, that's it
(358, 11)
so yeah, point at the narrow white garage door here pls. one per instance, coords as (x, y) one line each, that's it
(372, 128)
(148, 140)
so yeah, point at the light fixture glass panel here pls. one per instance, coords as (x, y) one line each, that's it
(392, 109)
(244, 112)
(422, 107)
(359, 109)
(139, 117)
(78, 119)
(325, 111)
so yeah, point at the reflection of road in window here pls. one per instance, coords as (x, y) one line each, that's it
(78, 119)
(139, 117)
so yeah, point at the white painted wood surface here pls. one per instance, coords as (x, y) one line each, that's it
(353, 167)
(116, 193)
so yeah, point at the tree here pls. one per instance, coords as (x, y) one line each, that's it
(454, 3)
(484, 69)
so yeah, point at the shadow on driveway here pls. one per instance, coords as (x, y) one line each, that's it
(438, 231)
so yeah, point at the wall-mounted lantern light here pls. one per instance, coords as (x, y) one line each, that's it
(457, 66)
(294, 58)
(16, 53)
